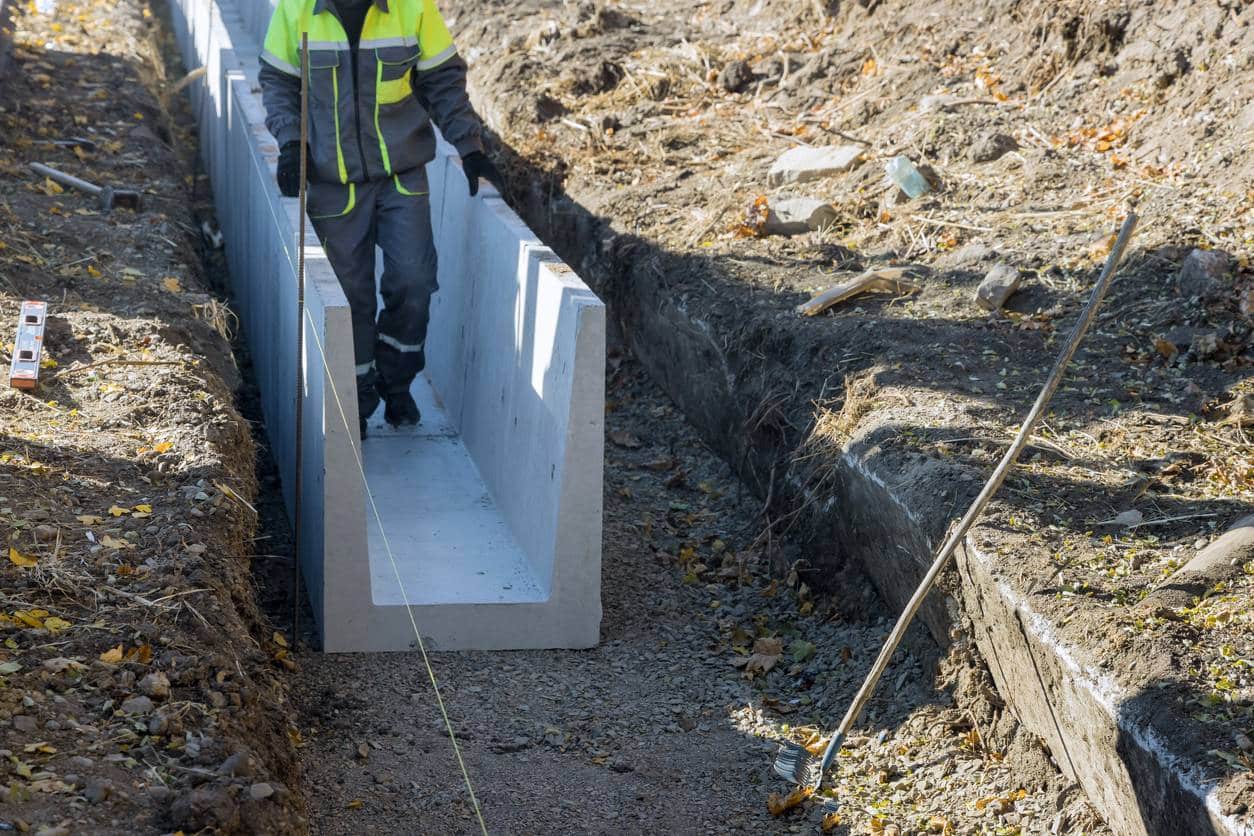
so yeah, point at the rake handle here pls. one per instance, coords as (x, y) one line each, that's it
(990, 488)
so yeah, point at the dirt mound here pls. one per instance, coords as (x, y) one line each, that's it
(1036, 127)
(141, 690)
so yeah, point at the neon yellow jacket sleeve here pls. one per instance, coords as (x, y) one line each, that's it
(433, 38)
(282, 46)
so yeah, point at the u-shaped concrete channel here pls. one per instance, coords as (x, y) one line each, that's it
(485, 523)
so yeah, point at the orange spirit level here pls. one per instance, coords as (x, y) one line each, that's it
(24, 373)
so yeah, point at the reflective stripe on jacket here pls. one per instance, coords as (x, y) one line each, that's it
(407, 68)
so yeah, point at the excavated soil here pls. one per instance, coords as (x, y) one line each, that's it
(141, 689)
(637, 139)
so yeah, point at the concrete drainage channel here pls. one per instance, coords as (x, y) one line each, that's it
(493, 551)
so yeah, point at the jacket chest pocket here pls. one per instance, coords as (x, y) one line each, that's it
(324, 69)
(394, 74)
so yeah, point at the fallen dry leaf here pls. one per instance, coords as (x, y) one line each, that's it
(19, 559)
(778, 805)
(90, 519)
(171, 284)
(830, 822)
(766, 653)
(118, 510)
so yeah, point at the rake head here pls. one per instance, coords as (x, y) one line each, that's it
(795, 764)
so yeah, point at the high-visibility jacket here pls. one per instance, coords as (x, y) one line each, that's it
(407, 71)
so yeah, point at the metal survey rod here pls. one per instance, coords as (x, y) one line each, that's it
(300, 339)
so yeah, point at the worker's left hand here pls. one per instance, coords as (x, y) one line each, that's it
(476, 164)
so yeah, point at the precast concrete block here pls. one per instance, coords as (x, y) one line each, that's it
(482, 526)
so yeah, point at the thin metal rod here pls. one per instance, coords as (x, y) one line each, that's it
(991, 487)
(66, 179)
(298, 466)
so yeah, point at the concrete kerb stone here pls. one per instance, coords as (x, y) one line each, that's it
(531, 409)
(1091, 722)
(1098, 731)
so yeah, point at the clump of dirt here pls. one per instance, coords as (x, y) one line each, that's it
(1037, 128)
(141, 690)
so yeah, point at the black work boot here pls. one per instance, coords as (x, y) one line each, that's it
(367, 398)
(361, 426)
(400, 410)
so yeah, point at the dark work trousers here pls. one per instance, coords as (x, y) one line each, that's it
(387, 345)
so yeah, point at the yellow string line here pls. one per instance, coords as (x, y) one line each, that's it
(448, 724)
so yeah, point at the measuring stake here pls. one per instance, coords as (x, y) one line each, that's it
(27, 348)
(300, 340)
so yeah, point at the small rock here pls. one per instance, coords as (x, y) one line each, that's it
(236, 766)
(795, 215)
(363, 751)
(24, 723)
(992, 146)
(137, 705)
(804, 163)
(1202, 273)
(1205, 345)
(736, 76)
(999, 285)
(97, 791)
(217, 699)
(81, 762)
(45, 533)
(1243, 742)
(260, 791)
(155, 684)
(53, 830)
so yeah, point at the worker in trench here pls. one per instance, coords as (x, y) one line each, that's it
(380, 71)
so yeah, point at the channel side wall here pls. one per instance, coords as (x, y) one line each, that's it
(516, 352)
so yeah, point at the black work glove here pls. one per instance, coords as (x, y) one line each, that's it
(476, 164)
(288, 174)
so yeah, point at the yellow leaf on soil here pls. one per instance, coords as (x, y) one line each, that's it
(93, 271)
(144, 508)
(52, 187)
(56, 625)
(279, 639)
(118, 510)
(355, 804)
(778, 805)
(115, 543)
(112, 655)
(163, 446)
(31, 618)
(90, 519)
(19, 559)
(171, 284)
(830, 822)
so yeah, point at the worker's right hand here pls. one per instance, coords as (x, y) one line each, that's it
(288, 174)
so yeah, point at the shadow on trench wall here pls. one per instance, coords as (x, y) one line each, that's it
(750, 385)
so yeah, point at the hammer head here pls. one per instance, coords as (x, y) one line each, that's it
(124, 198)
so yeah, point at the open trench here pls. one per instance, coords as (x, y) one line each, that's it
(667, 725)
